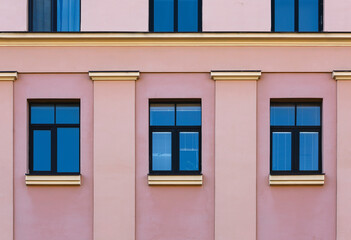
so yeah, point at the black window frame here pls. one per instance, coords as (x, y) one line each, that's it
(296, 23)
(175, 13)
(53, 128)
(295, 141)
(175, 130)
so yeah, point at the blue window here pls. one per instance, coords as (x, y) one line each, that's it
(54, 15)
(295, 138)
(54, 138)
(175, 15)
(175, 138)
(297, 15)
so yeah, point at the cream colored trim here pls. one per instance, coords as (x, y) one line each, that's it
(235, 75)
(341, 75)
(176, 39)
(114, 76)
(53, 180)
(296, 179)
(8, 76)
(175, 180)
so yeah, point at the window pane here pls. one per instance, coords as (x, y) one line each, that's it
(188, 115)
(309, 151)
(187, 15)
(162, 115)
(42, 150)
(281, 151)
(308, 115)
(283, 115)
(189, 151)
(67, 114)
(161, 151)
(163, 15)
(308, 15)
(68, 150)
(42, 114)
(42, 16)
(284, 16)
(68, 15)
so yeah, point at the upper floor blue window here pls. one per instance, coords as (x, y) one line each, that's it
(297, 15)
(175, 15)
(54, 15)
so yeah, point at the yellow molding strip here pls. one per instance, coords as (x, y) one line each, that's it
(8, 76)
(342, 75)
(235, 75)
(296, 179)
(154, 180)
(114, 76)
(175, 39)
(53, 180)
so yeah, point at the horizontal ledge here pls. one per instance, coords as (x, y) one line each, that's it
(342, 75)
(8, 76)
(296, 179)
(53, 180)
(114, 76)
(235, 75)
(175, 180)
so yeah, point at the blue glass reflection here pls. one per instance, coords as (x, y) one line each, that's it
(42, 114)
(163, 15)
(68, 150)
(283, 115)
(68, 114)
(187, 15)
(161, 151)
(68, 15)
(308, 15)
(42, 150)
(189, 151)
(308, 115)
(281, 151)
(284, 16)
(309, 151)
(42, 16)
(188, 115)
(162, 115)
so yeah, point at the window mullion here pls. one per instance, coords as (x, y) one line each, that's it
(175, 150)
(175, 15)
(296, 15)
(54, 149)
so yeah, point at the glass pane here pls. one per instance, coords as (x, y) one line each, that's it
(284, 16)
(68, 15)
(42, 16)
(189, 151)
(42, 114)
(309, 151)
(188, 115)
(163, 15)
(68, 150)
(161, 151)
(67, 114)
(308, 115)
(187, 15)
(281, 151)
(162, 115)
(42, 150)
(308, 15)
(283, 115)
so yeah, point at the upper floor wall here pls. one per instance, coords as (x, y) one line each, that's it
(217, 15)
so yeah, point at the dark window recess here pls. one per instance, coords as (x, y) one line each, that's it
(175, 138)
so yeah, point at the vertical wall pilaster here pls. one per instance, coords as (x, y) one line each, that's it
(235, 154)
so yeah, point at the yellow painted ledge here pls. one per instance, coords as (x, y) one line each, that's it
(8, 76)
(175, 180)
(342, 75)
(235, 75)
(53, 180)
(296, 179)
(114, 76)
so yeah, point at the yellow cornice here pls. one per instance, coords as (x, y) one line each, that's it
(342, 75)
(159, 180)
(235, 75)
(114, 76)
(176, 39)
(8, 76)
(296, 179)
(53, 179)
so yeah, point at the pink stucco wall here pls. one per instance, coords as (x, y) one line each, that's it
(337, 16)
(297, 212)
(13, 15)
(174, 212)
(53, 212)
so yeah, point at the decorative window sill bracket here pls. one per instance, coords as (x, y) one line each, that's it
(296, 179)
(71, 180)
(174, 180)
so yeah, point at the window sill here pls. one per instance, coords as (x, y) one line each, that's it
(296, 180)
(41, 180)
(175, 180)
